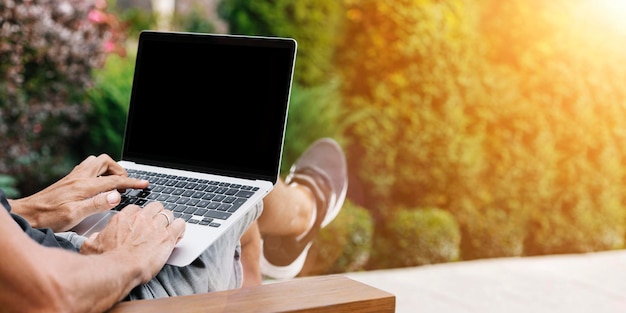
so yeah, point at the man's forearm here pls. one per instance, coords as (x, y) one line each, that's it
(62, 283)
(34, 278)
(95, 288)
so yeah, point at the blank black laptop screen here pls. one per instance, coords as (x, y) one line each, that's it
(210, 102)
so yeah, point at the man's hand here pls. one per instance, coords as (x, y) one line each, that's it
(92, 186)
(139, 235)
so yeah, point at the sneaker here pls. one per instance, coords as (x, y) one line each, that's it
(321, 168)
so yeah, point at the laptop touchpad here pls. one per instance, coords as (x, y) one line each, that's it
(94, 223)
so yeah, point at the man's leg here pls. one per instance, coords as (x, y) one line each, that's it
(290, 214)
(250, 254)
(292, 207)
(309, 199)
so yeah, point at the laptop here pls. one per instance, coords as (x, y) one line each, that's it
(206, 126)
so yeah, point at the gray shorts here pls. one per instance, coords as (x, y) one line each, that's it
(218, 268)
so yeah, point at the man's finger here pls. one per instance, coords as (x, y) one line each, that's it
(105, 200)
(152, 209)
(107, 166)
(130, 210)
(97, 184)
(177, 228)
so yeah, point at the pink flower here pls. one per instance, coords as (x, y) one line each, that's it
(109, 46)
(97, 17)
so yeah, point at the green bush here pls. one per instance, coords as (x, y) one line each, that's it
(109, 97)
(342, 246)
(137, 19)
(492, 232)
(578, 227)
(314, 24)
(417, 237)
(196, 21)
(7, 184)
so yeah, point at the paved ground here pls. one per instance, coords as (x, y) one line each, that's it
(586, 283)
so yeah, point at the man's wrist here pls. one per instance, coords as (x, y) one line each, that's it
(22, 208)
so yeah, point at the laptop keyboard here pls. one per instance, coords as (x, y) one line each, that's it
(197, 201)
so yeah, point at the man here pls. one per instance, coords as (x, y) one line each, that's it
(46, 271)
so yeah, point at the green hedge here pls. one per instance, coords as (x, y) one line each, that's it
(417, 237)
(515, 128)
(342, 246)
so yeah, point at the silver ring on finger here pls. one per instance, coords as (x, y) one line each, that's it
(169, 221)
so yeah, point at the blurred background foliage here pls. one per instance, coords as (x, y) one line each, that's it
(472, 129)
(47, 52)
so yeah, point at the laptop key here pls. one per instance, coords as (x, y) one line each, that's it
(208, 196)
(182, 200)
(224, 207)
(236, 204)
(201, 187)
(172, 199)
(198, 194)
(120, 206)
(217, 214)
(231, 191)
(189, 210)
(133, 192)
(221, 190)
(200, 212)
(244, 194)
